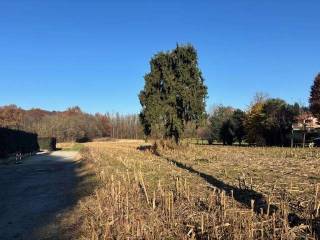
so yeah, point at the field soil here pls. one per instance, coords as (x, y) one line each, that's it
(35, 193)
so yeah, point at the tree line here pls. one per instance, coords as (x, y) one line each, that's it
(72, 124)
(268, 121)
(125, 126)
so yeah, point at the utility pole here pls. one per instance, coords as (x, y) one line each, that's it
(304, 134)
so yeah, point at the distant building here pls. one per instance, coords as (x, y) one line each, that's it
(305, 124)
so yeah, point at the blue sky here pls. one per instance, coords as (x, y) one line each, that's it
(61, 53)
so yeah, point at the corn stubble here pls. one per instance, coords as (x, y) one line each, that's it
(143, 196)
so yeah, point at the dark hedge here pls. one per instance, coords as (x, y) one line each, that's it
(83, 140)
(47, 143)
(12, 141)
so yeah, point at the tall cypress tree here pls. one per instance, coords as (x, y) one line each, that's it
(174, 93)
(314, 99)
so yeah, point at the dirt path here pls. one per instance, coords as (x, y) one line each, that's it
(33, 194)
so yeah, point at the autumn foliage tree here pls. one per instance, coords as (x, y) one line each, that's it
(70, 125)
(254, 119)
(269, 122)
(11, 117)
(314, 99)
(174, 93)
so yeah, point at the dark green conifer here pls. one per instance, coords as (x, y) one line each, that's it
(314, 99)
(174, 93)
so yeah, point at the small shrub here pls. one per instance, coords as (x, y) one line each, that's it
(47, 143)
(83, 139)
(145, 148)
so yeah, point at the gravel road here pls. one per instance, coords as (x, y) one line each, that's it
(34, 193)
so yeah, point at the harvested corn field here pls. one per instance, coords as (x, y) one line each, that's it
(200, 192)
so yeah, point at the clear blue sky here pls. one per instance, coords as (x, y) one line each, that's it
(60, 53)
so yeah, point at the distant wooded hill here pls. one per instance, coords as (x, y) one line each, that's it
(70, 125)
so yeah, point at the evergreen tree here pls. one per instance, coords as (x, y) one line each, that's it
(174, 93)
(227, 132)
(219, 115)
(315, 97)
(238, 119)
(278, 117)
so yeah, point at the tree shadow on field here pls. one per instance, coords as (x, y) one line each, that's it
(244, 196)
(37, 193)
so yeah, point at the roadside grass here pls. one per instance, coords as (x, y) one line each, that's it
(70, 146)
(200, 192)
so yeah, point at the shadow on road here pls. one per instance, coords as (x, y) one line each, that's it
(35, 193)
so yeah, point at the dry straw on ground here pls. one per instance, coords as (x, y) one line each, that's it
(200, 192)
